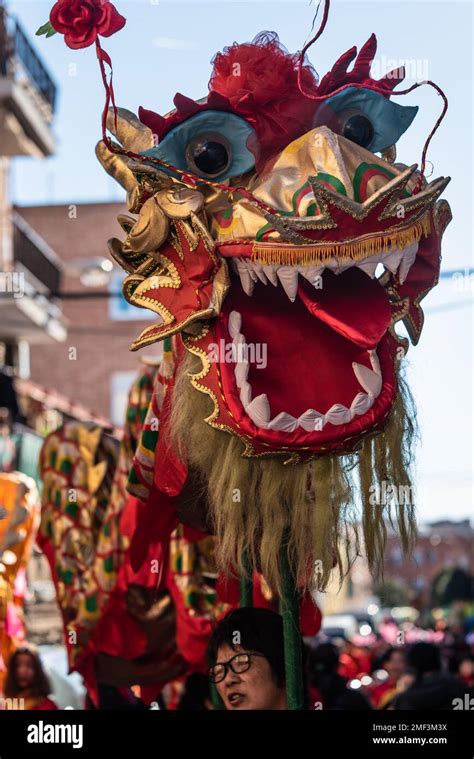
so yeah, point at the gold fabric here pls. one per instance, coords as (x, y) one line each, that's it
(319, 152)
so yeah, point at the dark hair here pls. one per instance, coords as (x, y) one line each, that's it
(424, 657)
(323, 675)
(40, 686)
(197, 692)
(324, 660)
(260, 630)
(388, 655)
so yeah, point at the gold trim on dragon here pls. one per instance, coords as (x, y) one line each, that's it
(321, 252)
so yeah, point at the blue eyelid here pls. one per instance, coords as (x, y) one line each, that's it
(237, 132)
(390, 120)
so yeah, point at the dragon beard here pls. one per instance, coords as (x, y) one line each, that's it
(322, 510)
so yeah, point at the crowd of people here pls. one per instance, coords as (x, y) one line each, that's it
(247, 671)
(338, 674)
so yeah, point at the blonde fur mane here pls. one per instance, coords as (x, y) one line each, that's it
(319, 509)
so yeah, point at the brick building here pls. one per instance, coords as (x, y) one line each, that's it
(440, 545)
(93, 366)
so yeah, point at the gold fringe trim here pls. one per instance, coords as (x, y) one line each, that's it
(350, 250)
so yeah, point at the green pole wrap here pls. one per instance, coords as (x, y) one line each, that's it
(215, 698)
(246, 584)
(289, 609)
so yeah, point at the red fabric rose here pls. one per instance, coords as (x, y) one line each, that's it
(81, 21)
(260, 81)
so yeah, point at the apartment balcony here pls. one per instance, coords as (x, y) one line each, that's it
(29, 308)
(27, 95)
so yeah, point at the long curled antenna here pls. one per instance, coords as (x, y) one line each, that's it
(345, 60)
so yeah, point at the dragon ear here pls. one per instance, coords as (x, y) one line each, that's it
(129, 131)
(116, 166)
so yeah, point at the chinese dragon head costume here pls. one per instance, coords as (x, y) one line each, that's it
(271, 221)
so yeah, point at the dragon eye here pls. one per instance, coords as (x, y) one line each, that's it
(209, 144)
(366, 118)
(209, 154)
(359, 129)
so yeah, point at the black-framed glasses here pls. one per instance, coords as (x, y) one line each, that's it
(238, 664)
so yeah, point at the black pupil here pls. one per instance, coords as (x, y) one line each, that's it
(360, 130)
(210, 157)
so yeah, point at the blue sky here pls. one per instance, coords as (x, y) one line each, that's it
(167, 47)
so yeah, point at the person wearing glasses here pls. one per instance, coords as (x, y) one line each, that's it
(247, 655)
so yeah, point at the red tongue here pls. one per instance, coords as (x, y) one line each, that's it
(350, 303)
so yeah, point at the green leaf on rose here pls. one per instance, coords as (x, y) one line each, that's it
(46, 29)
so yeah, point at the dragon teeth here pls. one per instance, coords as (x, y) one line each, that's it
(259, 270)
(245, 279)
(369, 265)
(235, 323)
(339, 414)
(392, 261)
(370, 380)
(409, 255)
(374, 360)
(288, 276)
(283, 422)
(245, 394)
(311, 420)
(259, 410)
(241, 372)
(270, 272)
(311, 273)
(361, 403)
(251, 272)
(251, 268)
